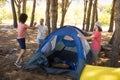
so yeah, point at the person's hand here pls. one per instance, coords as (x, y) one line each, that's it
(79, 35)
(33, 27)
(34, 23)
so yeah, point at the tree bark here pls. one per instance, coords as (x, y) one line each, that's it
(88, 15)
(33, 12)
(48, 15)
(65, 6)
(24, 6)
(96, 12)
(93, 15)
(116, 43)
(112, 17)
(85, 10)
(111, 40)
(14, 14)
(54, 13)
(18, 5)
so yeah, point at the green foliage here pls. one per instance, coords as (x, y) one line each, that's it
(74, 15)
(104, 18)
(0, 20)
(6, 13)
(104, 15)
(2, 3)
(108, 9)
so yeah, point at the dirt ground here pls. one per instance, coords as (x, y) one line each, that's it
(8, 53)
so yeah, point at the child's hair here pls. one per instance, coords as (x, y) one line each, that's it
(99, 29)
(23, 18)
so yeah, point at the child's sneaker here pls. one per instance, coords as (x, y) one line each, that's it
(17, 65)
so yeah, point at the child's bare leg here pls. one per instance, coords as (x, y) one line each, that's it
(20, 56)
(21, 60)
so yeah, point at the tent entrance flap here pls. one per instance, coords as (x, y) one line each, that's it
(63, 59)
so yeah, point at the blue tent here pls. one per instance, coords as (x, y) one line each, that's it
(62, 47)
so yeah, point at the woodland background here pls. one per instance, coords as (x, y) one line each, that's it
(57, 13)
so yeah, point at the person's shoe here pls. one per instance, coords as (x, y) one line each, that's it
(17, 65)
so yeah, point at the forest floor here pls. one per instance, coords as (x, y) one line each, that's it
(9, 50)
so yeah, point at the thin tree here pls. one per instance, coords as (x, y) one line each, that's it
(14, 14)
(88, 15)
(96, 12)
(116, 43)
(93, 15)
(65, 6)
(33, 13)
(24, 6)
(18, 5)
(48, 15)
(112, 17)
(85, 10)
(54, 13)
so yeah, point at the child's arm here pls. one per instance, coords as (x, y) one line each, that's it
(32, 27)
(85, 37)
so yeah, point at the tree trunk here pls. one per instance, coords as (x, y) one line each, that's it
(19, 8)
(65, 6)
(116, 43)
(48, 15)
(111, 40)
(96, 13)
(24, 6)
(18, 5)
(14, 14)
(63, 12)
(93, 15)
(33, 12)
(85, 9)
(112, 17)
(88, 15)
(54, 13)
